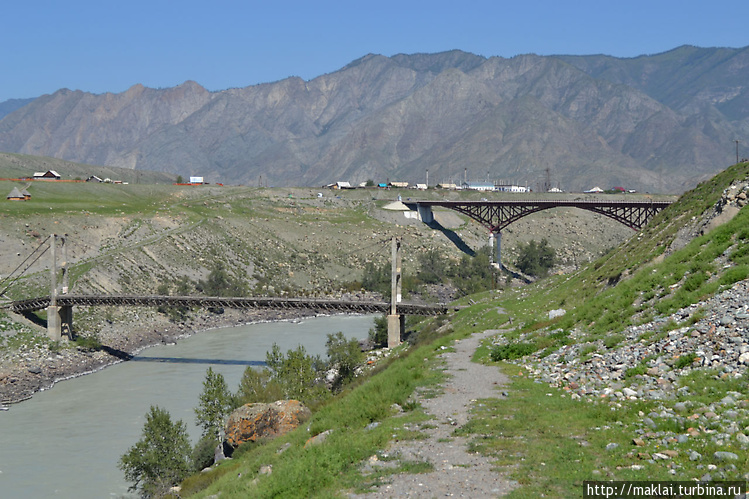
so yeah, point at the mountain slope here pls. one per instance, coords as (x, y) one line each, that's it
(654, 123)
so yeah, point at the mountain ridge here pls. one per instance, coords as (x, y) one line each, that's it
(653, 123)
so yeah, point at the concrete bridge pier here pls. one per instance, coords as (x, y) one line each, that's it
(495, 238)
(396, 328)
(425, 213)
(59, 320)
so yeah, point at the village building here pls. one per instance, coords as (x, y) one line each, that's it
(478, 186)
(502, 186)
(398, 185)
(16, 195)
(94, 178)
(340, 185)
(447, 185)
(26, 194)
(48, 175)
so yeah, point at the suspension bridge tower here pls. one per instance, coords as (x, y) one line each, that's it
(59, 318)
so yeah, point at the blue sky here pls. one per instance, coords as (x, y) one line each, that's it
(101, 47)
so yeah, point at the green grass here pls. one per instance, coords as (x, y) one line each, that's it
(549, 443)
(323, 470)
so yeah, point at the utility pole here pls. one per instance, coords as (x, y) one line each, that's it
(737, 151)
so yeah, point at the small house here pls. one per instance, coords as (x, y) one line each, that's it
(48, 175)
(399, 185)
(94, 178)
(26, 194)
(15, 195)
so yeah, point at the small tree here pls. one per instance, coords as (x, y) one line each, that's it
(379, 333)
(161, 459)
(377, 279)
(430, 267)
(296, 372)
(258, 386)
(473, 273)
(345, 355)
(536, 259)
(221, 283)
(214, 406)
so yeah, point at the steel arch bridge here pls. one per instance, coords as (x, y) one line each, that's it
(496, 215)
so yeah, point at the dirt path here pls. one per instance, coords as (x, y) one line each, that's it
(457, 473)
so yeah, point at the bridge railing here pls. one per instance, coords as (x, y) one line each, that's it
(275, 303)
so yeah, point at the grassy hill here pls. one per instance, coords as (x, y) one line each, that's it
(551, 436)
(24, 165)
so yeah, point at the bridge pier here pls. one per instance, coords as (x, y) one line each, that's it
(425, 213)
(396, 328)
(495, 238)
(59, 319)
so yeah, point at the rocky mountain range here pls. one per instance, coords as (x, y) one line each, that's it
(657, 123)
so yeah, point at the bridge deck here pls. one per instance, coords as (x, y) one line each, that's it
(321, 305)
(496, 215)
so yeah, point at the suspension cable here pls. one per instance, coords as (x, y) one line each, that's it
(27, 267)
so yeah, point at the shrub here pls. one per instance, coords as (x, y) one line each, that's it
(512, 351)
(221, 283)
(257, 386)
(536, 259)
(203, 453)
(473, 273)
(640, 369)
(734, 274)
(430, 267)
(613, 340)
(345, 355)
(296, 373)
(379, 334)
(685, 360)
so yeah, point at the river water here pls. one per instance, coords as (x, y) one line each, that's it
(66, 442)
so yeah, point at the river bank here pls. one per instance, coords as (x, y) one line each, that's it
(31, 369)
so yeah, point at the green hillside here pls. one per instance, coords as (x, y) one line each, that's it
(538, 438)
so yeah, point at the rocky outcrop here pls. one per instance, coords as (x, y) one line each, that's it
(255, 421)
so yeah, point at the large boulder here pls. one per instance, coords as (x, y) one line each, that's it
(254, 421)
